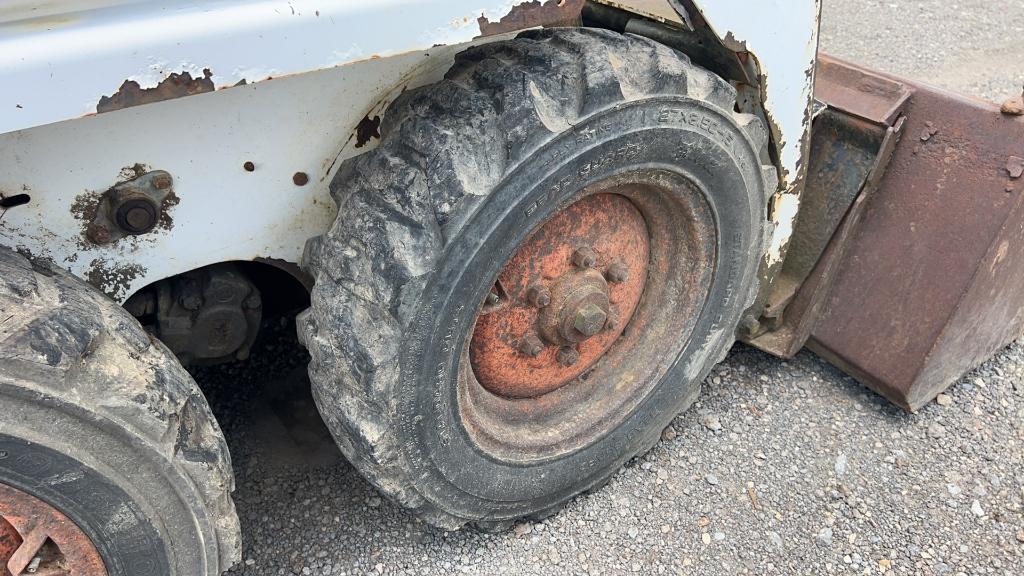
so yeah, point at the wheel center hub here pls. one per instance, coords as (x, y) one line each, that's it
(579, 308)
(562, 301)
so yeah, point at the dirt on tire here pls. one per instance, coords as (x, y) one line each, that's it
(449, 155)
(100, 397)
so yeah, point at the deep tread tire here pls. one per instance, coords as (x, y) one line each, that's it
(445, 149)
(103, 423)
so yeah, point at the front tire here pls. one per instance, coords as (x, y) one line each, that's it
(110, 460)
(604, 170)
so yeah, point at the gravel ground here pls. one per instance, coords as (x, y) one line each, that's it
(782, 468)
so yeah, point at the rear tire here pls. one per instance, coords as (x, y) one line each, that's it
(552, 125)
(103, 426)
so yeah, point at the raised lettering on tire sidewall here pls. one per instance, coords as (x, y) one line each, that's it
(675, 135)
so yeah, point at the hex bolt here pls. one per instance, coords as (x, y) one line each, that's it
(137, 215)
(539, 296)
(568, 356)
(584, 257)
(589, 320)
(98, 233)
(617, 272)
(531, 346)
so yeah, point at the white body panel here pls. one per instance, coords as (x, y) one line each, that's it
(54, 69)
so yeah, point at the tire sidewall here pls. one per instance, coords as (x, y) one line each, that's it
(673, 134)
(127, 500)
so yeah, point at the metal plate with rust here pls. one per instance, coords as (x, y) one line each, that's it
(929, 286)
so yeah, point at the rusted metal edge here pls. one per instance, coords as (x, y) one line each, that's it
(174, 86)
(533, 14)
(859, 92)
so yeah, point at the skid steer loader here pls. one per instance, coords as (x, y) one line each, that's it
(523, 233)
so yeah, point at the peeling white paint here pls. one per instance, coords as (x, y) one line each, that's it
(784, 210)
(57, 67)
(322, 57)
(783, 36)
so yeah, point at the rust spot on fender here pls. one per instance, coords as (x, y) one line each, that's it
(366, 129)
(532, 14)
(113, 280)
(174, 86)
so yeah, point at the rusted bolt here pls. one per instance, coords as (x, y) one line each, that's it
(249, 167)
(589, 319)
(568, 356)
(584, 257)
(137, 215)
(750, 326)
(162, 181)
(613, 320)
(531, 346)
(98, 233)
(538, 296)
(300, 179)
(617, 272)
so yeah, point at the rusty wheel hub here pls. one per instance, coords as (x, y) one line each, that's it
(563, 299)
(35, 538)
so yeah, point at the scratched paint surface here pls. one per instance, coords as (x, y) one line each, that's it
(58, 65)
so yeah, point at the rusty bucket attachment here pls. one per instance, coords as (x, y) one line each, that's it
(907, 261)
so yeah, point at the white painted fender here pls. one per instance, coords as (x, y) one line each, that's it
(313, 70)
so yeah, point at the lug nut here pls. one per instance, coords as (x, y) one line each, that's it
(539, 296)
(613, 320)
(589, 320)
(568, 356)
(617, 272)
(584, 257)
(531, 346)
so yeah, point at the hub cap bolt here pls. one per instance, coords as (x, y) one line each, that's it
(584, 257)
(617, 273)
(539, 296)
(531, 346)
(589, 320)
(568, 356)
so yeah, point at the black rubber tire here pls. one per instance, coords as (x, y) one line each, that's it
(101, 422)
(466, 168)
